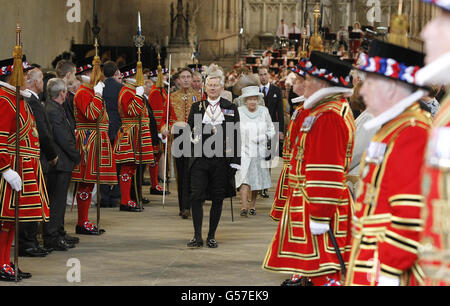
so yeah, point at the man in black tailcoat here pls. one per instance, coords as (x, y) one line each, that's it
(214, 156)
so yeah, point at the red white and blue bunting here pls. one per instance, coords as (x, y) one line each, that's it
(84, 68)
(131, 72)
(155, 72)
(390, 68)
(324, 74)
(6, 70)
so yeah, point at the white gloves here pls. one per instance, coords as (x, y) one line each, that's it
(235, 166)
(318, 228)
(98, 89)
(13, 178)
(140, 91)
(388, 281)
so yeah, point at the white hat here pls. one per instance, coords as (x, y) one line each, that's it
(251, 91)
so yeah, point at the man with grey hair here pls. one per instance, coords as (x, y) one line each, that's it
(215, 131)
(28, 243)
(60, 175)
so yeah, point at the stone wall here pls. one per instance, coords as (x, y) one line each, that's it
(215, 24)
(46, 31)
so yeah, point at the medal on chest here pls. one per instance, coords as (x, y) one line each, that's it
(376, 152)
(438, 151)
(308, 124)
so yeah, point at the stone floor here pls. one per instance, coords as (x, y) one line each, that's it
(149, 248)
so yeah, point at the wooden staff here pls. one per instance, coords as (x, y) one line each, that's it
(139, 40)
(17, 80)
(167, 125)
(95, 78)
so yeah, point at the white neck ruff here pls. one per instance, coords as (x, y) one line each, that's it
(323, 93)
(436, 73)
(395, 110)
(24, 93)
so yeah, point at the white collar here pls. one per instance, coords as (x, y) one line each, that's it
(24, 93)
(85, 79)
(266, 86)
(435, 73)
(395, 110)
(214, 102)
(298, 100)
(323, 93)
(33, 93)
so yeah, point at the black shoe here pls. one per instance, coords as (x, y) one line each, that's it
(252, 212)
(145, 201)
(131, 206)
(7, 274)
(185, 214)
(157, 192)
(71, 239)
(194, 243)
(42, 249)
(23, 275)
(32, 252)
(264, 194)
(59, 245)
(211, 243)
(299, 282)
(88, 229)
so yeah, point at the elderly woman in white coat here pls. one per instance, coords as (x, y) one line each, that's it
(256, 130)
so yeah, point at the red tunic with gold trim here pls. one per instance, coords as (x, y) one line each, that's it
(127, 147)
(434, 257)
(281, 192)
(321, 151)
(158, 103)
(33, 199)
(89, 107)
(387, 220)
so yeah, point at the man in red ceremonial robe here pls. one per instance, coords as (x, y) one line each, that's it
(129, 144)
(28, 180)
(387, 220)
(88, 109)
(433, 257)
(318, 198)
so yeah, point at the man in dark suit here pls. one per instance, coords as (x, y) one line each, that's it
(28, 243)
(60, 175)
(66, 71)
(214, 158)
(110, 196)
(273, 99)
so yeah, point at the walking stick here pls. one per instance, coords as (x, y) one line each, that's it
(167, 124)
(232, 214)
(17, 81)
(338, 254)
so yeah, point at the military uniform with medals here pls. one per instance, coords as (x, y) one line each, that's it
(181, 102)
(33, 198)
(318, 194)
(387, 220)
(281, 192)
(434, 256)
